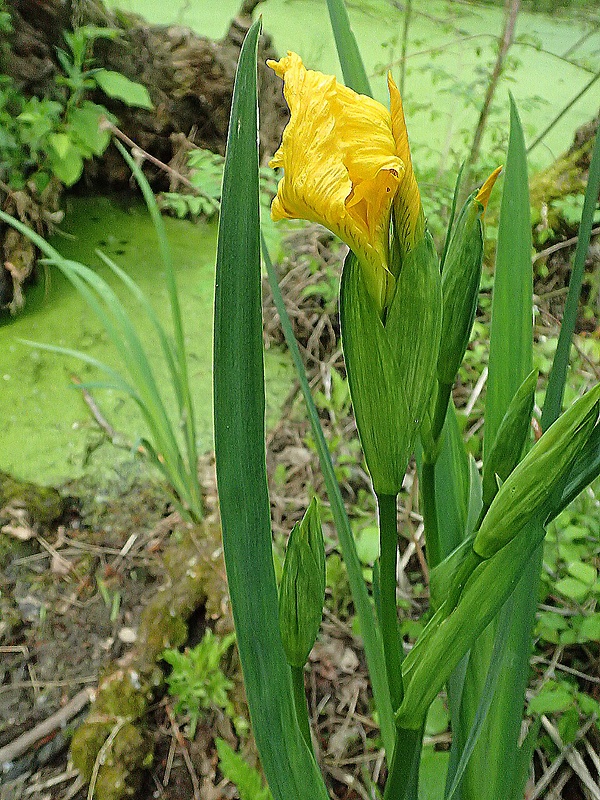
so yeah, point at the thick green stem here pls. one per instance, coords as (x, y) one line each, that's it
(392, 643)
(428, 503)
(403, 777)
(301, 706)
(441, 409)
(429, 511)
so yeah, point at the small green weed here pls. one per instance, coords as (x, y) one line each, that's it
(248, 780)
(197, 680)
(53, 136)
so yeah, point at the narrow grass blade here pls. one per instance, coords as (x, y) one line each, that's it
(166, 345)
(353, 68)
(239, 403)
(182, 383)
(558, 373)
(118, 382)
(368, 626)
(143, 386)
(510, 361)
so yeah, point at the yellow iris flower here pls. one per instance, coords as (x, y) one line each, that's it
(346, 164)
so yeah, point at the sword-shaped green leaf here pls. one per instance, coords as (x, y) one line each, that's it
(239, 402)
(510, 361)
(353, 68)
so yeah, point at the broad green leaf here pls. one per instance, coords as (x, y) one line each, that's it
(485, 703)
(118, 86)
(586, 573)
(239, 404)
(65, 159)
(590, 628)
(61, 144)
(351, 61)
(511, 333)
(573, 588)
(84, 124)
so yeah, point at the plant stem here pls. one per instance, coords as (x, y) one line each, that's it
(403, 777)
(301, 706)
(441, 410)
(392, 643)
(427, 478)
(429, 511)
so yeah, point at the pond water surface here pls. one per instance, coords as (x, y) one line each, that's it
(47, 433)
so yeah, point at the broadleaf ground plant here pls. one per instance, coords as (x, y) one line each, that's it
(406, 322)
(53, 136)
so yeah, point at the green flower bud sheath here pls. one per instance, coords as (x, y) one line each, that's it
(391, 360)
(510, 440)
(301, 597)
(460, 287)
(529, 487)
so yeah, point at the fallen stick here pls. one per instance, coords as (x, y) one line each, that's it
(21, 744)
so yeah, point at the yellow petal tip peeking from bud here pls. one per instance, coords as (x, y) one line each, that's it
(483, 195)
(342, 167)
(408, 213)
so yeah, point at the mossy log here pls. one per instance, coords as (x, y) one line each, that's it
(113, 746)
(566, 176)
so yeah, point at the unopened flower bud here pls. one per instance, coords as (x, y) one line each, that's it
(302, 590)
(460, 282)
(529, 486)
(510, 439)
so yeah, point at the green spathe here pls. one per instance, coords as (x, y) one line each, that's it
(391, 362)
(302, 590)
(460, 287)
(529, 486)
(510, 439)
(479, 591)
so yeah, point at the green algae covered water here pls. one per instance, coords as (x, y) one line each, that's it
(47, 433)
(451, 50)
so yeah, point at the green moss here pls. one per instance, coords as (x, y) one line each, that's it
(194, 577)
(115, 782)
(160, 627)
(44, 504)
(121, 695)
(85, 746)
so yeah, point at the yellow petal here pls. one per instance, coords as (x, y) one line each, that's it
(408, 213)
(340, 165)
(483, 195)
